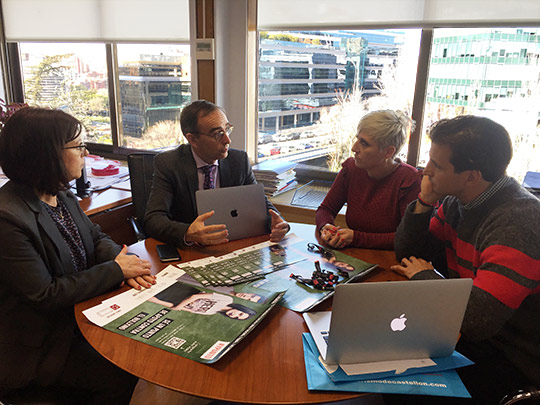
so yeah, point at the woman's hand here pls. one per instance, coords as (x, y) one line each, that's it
(136, 271)
(144, 281)
(337, 237)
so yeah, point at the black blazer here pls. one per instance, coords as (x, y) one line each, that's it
(40, 286)
(171, 206)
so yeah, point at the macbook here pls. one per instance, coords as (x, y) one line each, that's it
(242, 209)
(396, 320)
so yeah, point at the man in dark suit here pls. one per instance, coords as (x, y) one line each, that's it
(171, 213)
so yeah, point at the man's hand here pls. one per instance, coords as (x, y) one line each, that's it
(427, 195)
(279, 227)
(337, 237)
(199, 233)
(409, 267)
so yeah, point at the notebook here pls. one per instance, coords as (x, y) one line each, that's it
(398, 320)
(241, 208)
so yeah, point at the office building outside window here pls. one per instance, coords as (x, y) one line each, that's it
(155, 84)
(491, 72)
(314, 86)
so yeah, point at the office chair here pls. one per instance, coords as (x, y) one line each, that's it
(529, 396)
(141, 170)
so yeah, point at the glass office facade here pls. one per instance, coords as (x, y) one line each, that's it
(491, 72)
(315, 85)
(155, 84)
(307, 100)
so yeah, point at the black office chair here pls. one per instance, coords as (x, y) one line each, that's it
(141, 170)
(530, 396)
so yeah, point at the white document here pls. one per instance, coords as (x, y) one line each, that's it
(112, 308)
(376, 367)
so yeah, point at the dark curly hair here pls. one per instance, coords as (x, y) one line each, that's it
(477, 143)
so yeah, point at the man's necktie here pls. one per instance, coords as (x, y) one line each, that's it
(208, 171)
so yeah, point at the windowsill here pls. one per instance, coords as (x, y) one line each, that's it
(294, 213)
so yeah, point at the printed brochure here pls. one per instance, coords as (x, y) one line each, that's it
(191, 321)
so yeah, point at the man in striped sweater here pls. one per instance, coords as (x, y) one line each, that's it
(486, 228)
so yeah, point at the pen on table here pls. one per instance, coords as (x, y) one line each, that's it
(286, 184)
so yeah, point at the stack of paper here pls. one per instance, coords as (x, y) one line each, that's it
(276, 176)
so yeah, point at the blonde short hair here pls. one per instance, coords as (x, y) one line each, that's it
(387, 128)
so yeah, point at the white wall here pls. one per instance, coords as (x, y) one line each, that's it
(231, 65)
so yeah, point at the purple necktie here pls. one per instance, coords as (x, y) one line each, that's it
(208, 171)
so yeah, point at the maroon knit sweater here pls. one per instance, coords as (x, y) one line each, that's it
(374, 207)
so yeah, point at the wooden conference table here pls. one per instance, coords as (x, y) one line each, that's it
(266, 367)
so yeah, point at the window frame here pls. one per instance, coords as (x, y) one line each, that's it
(207, 78)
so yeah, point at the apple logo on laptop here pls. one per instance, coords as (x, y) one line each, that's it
(398, 324)
(234, 213)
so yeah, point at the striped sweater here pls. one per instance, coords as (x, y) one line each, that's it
(495, 240)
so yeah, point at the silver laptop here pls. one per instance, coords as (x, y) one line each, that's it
(396, 320)
(241, 208)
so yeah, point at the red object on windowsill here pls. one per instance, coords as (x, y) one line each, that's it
(105, 169)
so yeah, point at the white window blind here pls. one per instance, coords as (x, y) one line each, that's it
(328, 14)
(96, 20)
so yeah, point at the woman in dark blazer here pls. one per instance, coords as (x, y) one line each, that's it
(51, 257)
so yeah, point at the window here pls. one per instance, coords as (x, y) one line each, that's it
(457, 69)
(501, 88)
(85, 57)
(155, 84)
(314, 86)
(71, 77)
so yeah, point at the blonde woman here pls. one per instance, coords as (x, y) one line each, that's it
(376, 185)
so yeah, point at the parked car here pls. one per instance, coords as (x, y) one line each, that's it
(265, 137)
(284, 137)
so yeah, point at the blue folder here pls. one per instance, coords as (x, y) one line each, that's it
(439, 383)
